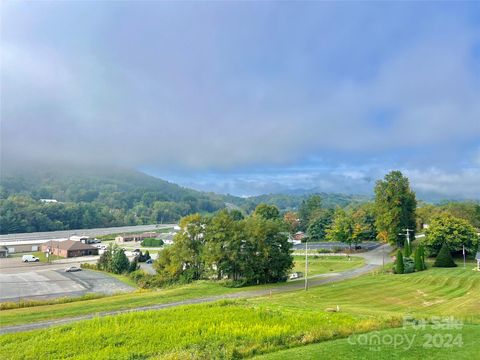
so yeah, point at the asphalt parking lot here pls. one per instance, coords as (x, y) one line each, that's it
(19, 281)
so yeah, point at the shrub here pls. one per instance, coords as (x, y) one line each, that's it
(151, 242)
(408, 265)
(89, 266)
(444, 257)
(324, 251)
(399, 267)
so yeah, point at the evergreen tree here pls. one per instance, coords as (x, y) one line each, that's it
(119, 262)
(444, 257)
(407, 249)
(418, 259)
(399, 268)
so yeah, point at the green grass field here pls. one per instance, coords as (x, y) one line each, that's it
(226, 329)
(326, 264)
(399, 343)
(265, 325)
(437, 291)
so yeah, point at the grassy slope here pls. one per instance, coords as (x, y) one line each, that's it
(264, 324)
(132, 300)
(326, 264)
(437, 291)
(463, 346)
(224, 329)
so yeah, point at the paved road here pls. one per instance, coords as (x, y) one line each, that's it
(329, 245)
(47, 235)
(373, 259)
(20, 281)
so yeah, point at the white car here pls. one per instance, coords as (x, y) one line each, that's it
(73, 269)
(30, 258)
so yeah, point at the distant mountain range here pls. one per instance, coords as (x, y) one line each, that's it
(89, 197)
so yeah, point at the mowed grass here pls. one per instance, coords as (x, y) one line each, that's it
(225, 329)
(399, 343)
(245, 328)
(436, 291)
(326, 264)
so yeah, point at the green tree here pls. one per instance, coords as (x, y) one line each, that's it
(319, 223)
(307, 210)
(119, 262)
(417, 260)
(342, 228)
(444, 257)
(452, 231)
(407, 249)
(268, 212)
(399, 266)
(395, 205)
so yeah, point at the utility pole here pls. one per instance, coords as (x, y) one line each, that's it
(306, 265)
(408, 234)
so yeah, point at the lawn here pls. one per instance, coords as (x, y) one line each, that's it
(399, 343)
(110, 303)
(436, 291)
(326, 264)
(244, 328)
(225, 329)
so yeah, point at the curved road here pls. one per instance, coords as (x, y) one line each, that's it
(373, 259)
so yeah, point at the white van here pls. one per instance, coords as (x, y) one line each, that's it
(29, 258)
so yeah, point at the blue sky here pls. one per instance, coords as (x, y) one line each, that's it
(248, 97)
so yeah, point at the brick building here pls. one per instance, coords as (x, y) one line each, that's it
(69, 248)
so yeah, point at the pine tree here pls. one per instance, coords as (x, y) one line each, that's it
(408, 249)
(400, 269)
(418, 259)
(444, 257)
(421, 249)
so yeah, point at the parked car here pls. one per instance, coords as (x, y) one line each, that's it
(30, 258)
(295, 275)
(149, 261)
(73, 269)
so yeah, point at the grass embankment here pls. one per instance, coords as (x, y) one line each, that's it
(399, 343)
(111, 303)
(326, 264)
(436, 291)
(227, 329)
(230, 329)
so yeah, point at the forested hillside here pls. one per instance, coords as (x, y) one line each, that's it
(289, 202)
(94, 197)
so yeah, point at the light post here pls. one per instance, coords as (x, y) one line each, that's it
(306, 265)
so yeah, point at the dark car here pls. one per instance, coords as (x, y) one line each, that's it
(149, 261)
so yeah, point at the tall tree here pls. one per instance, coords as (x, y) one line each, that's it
(395, 205)
(342, 228)
(456, 233)
(307, 210)
(319, 223)
(268, 212)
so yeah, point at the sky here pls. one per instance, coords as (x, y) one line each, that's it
(248, 97)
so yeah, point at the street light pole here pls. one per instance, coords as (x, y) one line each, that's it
(306, 265)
